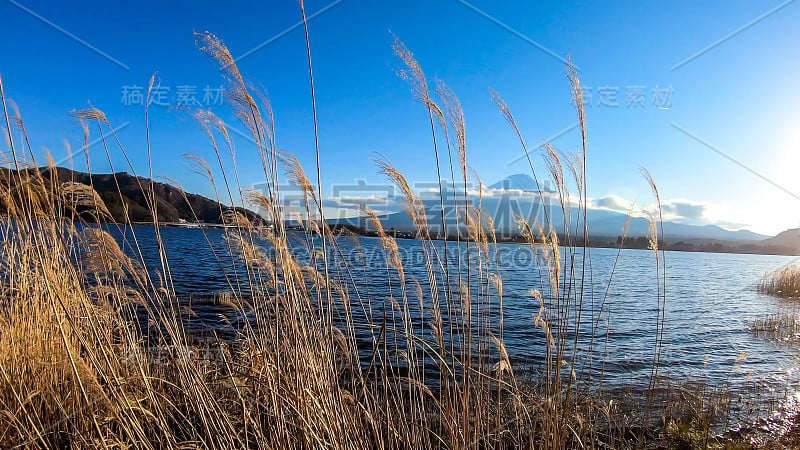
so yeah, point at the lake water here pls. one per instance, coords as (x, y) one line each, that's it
(711, 302)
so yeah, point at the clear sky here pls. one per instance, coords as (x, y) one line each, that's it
(677, 115)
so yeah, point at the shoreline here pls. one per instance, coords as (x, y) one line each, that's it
(744, 248)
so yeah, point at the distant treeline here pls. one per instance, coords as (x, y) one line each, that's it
(630, 242)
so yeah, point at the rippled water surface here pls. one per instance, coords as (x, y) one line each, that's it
(711, 301)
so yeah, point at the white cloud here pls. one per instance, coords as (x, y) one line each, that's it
(678, 210)
(611, 203)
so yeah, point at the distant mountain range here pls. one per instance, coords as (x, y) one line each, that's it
(517, 195)
(518, 181)
(610, 223)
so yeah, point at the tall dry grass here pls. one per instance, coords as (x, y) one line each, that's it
(784, 282)
(95, 351)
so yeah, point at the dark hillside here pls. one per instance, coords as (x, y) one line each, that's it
(172, 206)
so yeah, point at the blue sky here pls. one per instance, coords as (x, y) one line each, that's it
(739, 97)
